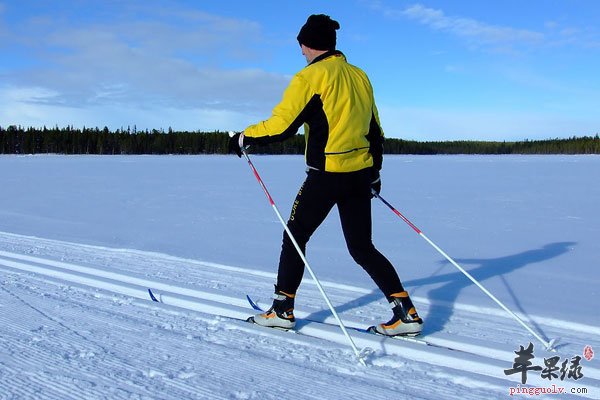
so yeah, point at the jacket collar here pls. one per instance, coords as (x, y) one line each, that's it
(326, 55)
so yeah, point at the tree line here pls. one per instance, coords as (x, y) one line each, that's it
(70, 140)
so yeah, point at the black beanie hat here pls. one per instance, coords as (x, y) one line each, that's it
(319, 32)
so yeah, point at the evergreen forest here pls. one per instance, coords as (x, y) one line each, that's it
(69, 140)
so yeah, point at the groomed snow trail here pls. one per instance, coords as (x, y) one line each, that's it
(77, 322)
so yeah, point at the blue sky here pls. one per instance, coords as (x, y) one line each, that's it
(441, 70)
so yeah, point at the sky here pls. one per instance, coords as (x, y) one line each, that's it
(441, 70)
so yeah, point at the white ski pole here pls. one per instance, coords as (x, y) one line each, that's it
(547, 345)
(359, 355)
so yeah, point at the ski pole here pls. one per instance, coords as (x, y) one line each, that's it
(358, 354)
(547, 345)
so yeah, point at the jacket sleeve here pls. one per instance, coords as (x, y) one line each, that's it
(286, 118)
(376, 138)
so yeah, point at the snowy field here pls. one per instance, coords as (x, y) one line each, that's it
(83, 237)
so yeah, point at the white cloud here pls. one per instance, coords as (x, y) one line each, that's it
(494, 37)
(475, 32)
(470, 28)
(145, 60)
(29, 107)
(173, 59)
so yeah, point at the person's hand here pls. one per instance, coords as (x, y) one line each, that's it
(375, 182)
(236, 141)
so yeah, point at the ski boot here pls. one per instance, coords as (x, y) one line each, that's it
(281, 313)
(405, 322)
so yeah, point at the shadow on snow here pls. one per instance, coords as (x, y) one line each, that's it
(443, 298)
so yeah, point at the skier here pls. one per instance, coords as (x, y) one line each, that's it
(344, 154)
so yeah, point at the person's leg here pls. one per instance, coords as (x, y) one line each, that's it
(355, 215)
(313, 203)
(311, 206)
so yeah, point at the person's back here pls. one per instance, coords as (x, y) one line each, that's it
(345, 95)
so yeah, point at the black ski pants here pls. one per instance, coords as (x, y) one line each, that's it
(351, 192)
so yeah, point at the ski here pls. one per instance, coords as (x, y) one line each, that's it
(254, 305)
(158, 299)
(152, 297)
(370, 330)
(251, 320)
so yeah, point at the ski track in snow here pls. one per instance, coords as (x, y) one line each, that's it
(84, 327)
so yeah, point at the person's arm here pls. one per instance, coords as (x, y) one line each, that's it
(286, 118)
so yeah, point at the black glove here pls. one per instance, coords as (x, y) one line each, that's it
(234, 144)
(375, 182)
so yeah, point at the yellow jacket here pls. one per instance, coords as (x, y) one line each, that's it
(334, 100)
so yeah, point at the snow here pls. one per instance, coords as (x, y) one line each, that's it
(83, 237)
